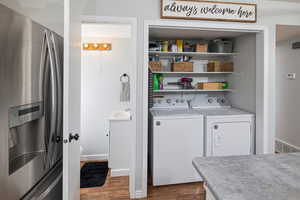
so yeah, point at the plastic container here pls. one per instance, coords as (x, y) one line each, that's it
(156, 82)
(221, 46)
(200, 65)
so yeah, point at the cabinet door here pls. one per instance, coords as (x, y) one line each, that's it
(176, 143)
(231, 139)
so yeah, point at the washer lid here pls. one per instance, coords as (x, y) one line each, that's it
(175, 114)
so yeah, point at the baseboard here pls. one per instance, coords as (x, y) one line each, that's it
(94, 157)
(139, 194)
(284, 147)
(119, 172)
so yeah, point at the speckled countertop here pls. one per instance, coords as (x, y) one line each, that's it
(259, 177)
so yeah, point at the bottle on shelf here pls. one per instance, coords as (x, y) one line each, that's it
(156, 81)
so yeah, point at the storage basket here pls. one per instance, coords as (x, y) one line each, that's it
(217, 66)
(201, 47)
(209, 86)
(155, 66)
(182, 67)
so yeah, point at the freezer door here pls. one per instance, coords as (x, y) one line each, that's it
(49, 188)
(232, 138)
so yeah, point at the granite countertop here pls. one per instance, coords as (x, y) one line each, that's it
(257, 177)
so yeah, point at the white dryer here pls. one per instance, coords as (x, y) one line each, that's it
(228, 131)
(175, 139)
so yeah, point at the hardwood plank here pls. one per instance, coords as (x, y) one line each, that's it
(117, 188)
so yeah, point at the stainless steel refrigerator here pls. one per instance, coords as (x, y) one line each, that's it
(31, 109)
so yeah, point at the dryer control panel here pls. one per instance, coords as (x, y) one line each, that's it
(210, 101)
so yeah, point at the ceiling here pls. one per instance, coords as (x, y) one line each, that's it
(184, 33)
(286, 32)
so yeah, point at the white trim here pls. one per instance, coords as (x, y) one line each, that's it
(94, 157)
(139, 194)
(287, 144)
(119, 172)
(133, 22)
(265, 141)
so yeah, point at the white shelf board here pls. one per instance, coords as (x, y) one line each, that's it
(190, 90)
(203, 54)
(195, 73)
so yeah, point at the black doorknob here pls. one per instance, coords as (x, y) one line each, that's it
(73, 137)
(59, 139)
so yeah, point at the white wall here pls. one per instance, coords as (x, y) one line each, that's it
(288, 94)
(269, 13)
(49, 13)
(243, 81)
(101, 71)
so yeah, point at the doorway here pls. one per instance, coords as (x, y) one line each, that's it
(287, 86)
(259, 95)
(108, 102)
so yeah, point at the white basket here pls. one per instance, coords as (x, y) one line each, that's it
(200, 65)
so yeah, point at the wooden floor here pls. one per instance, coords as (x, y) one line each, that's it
(117, 188)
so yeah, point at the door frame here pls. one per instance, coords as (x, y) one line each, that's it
(133, 22)
(264, 95)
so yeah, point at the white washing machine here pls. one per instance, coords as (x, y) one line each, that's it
(228, 131)
(175, 139)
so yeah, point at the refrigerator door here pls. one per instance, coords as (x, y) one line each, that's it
(29, 116)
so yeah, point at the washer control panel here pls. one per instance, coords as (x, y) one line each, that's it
(175, 103)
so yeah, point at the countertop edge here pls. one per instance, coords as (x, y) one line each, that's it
(205, 180)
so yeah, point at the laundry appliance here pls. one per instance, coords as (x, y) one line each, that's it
(228, 131)
(175, 139)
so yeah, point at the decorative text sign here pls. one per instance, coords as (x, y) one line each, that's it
(208, 10)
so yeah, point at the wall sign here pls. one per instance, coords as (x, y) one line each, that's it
(208, 10)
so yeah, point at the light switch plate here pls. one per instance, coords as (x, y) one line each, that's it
(291, 76)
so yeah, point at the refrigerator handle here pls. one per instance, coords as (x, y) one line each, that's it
(59, 89)
(44, 75)
(59, 78)
(53, 107)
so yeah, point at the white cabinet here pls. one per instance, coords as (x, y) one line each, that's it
(175, 143)
(120, 136)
